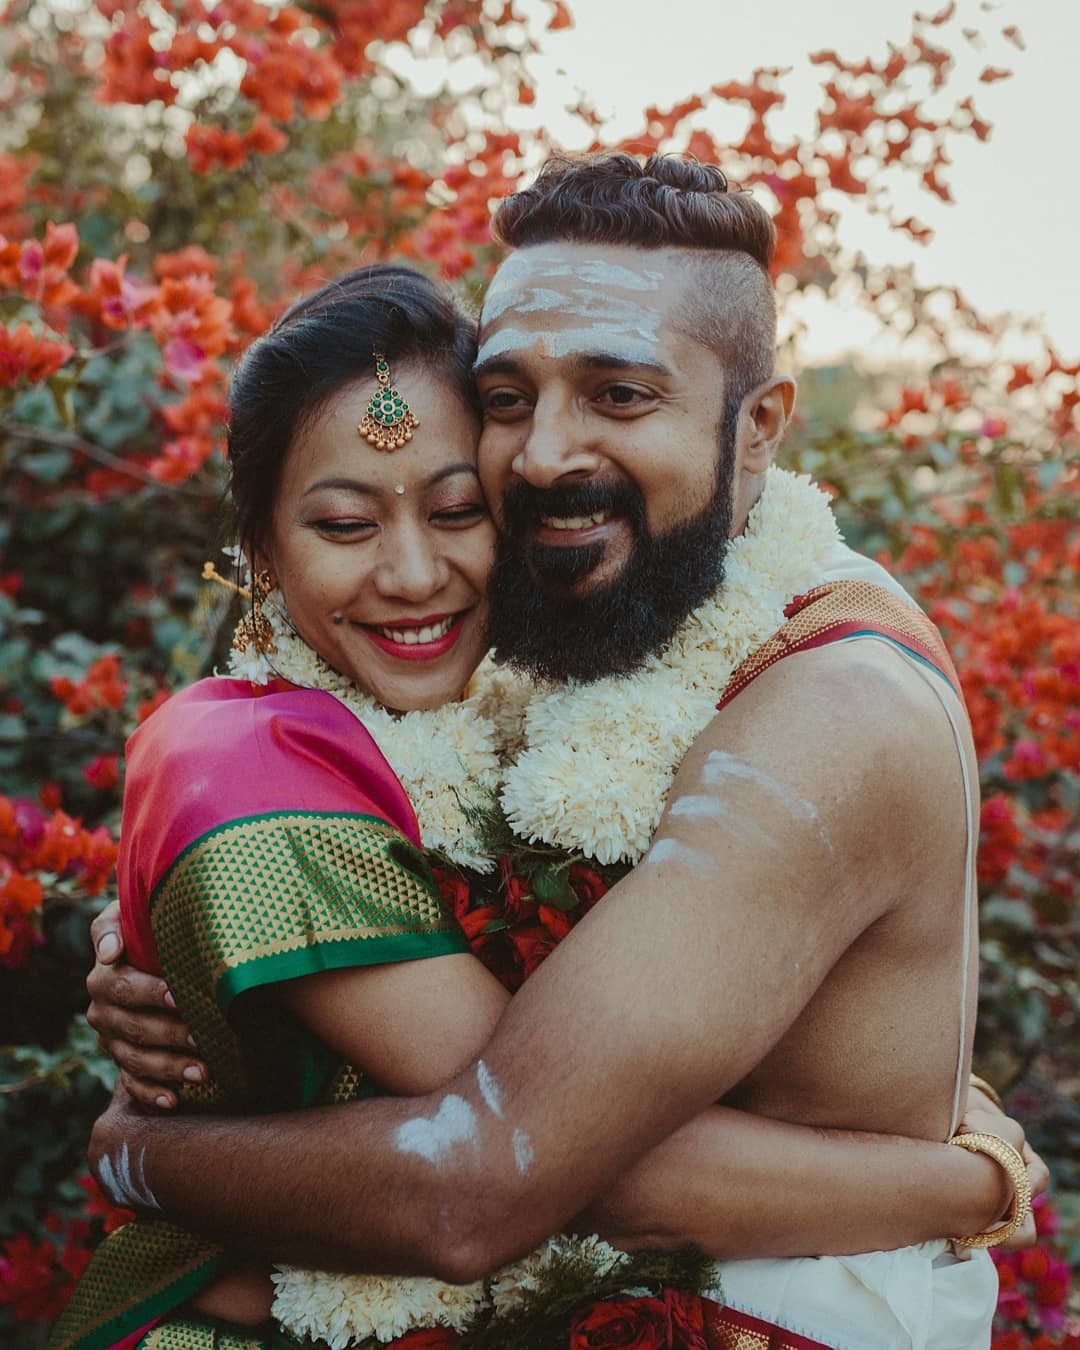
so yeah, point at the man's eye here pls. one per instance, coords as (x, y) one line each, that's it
(503, 400)
(625, 395)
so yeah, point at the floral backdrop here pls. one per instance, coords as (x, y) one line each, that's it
(172, 173)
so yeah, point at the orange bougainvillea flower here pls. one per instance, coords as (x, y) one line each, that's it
(186, 262)
(101, 687)
(23, 355)
(103, 772)
(115, 299)
(182, 458)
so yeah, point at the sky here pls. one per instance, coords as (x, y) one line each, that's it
(1009, 241)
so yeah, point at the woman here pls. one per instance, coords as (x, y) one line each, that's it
(270, 862)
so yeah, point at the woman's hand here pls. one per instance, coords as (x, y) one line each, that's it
(134, 1016)
(982, 1114)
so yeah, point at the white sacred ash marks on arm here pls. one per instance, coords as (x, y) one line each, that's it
(454, 1123)
(721, 767)
(124, 1180)
(489, 1089)
(670, 850)
(524, 1153)
(713, 808)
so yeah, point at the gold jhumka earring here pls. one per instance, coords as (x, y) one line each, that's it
(254, 629)
(388, 424)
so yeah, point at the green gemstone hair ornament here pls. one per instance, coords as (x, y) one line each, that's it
(388, 424)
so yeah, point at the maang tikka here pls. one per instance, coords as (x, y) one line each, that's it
(387, 423)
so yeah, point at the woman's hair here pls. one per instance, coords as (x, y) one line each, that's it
(319, 346)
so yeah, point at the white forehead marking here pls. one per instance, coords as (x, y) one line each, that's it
(453, 1123)
(670, 850)
(521, 299)
(572, 342)
(524, 1153)
(593, 271)
(489, 1088)
(618, 312)
(720, 766)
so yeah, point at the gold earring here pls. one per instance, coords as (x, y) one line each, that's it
(387, 423)
(254, 629)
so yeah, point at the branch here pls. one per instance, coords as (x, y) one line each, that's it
(68, 440)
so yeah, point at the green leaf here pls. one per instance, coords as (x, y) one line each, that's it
(551, 887)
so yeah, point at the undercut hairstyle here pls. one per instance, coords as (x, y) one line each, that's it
(319, 346)
(724, 238)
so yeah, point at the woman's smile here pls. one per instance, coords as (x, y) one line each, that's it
(417, 639)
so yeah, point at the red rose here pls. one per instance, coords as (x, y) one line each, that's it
(476, 920)
(434, 1338)
(639, 1323)
(532, 944)
(687, 1320)
(454, 891)
(588, 886)
(518, 902)
(555, 921)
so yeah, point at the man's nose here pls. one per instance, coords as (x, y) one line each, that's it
(556, 448)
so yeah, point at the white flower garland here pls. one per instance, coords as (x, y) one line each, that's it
(446, 758)
(598, 759)
(344, 1309)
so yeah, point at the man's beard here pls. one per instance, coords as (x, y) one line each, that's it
(539, 625)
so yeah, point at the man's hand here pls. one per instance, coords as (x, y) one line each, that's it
(134, 1016)
(982, 1114)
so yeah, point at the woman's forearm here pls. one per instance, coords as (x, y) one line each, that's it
(743, 1186)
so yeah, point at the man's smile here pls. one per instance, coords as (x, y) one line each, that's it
(577, 531)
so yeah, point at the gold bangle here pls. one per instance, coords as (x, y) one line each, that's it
(1012, 1164)
(984, 1086)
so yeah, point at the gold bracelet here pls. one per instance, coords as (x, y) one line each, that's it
(984, 1086)
(1012, 1164)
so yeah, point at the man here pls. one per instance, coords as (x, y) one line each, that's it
(797, 939)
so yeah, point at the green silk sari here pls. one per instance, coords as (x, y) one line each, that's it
(264, 838)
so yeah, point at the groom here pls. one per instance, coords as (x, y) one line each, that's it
(797, 941)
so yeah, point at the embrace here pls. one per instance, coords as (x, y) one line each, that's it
(614, 987)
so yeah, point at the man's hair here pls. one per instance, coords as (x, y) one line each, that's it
(666, 202)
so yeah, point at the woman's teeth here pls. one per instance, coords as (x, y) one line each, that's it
(413, 637)
(573, 522)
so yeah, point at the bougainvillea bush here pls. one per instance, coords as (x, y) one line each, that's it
(172, 173)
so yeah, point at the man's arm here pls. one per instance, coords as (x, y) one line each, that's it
(670, 992)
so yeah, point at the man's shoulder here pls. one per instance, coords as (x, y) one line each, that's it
(858, 715)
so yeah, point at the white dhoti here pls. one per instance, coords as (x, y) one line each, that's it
(926, 1297)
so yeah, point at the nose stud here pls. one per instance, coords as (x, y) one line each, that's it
(399, 488)
(337, 618)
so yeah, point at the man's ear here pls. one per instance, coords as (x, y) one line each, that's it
(763, 419)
